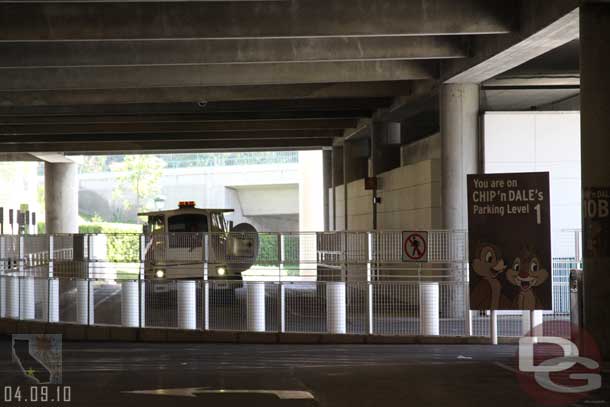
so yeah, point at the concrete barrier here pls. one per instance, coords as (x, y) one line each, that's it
(99, 333)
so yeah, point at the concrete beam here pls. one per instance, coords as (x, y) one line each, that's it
(16, 79)
(92, 137)
(423, 97)
(17, 157)
(160, 147)
(53, 158)
(544, 26)
(217, 110)
(193, 94)
(194, 51)
(215, 20)
(360, 131)
(119, 126)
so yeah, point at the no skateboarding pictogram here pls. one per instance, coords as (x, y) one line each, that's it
(415, 246)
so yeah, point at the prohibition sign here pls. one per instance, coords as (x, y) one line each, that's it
(415, 246)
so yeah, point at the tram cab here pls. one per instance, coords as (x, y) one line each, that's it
(190, 243)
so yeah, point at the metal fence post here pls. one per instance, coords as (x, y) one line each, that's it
(467, 313)
(281, 306)
(369, 285)
(141, 281)
(49, 277)
(345, 258)
(21, 269)
(206, 285)
(280, 254)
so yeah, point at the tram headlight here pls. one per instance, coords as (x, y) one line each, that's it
(160, 273)
(221, 271)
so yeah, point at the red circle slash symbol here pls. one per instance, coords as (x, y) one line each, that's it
(415, 246)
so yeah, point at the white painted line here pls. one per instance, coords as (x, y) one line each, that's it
(194, 391)
(506, 367)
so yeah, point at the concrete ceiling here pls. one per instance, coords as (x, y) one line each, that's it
(102, 76)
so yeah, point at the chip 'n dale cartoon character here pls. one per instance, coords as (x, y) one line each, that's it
(488, 265)
(527, 273)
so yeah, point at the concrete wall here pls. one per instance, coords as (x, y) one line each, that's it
(541, 141)
(428, 148)
(410, 199)
(250, 190)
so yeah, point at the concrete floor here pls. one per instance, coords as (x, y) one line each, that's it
(348, 375)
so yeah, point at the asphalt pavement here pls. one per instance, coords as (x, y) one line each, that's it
(119, 374)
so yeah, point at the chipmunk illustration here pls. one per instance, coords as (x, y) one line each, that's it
(488, 264)
(527, 273)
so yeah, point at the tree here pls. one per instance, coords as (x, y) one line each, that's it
(94, 164)
(137, 180)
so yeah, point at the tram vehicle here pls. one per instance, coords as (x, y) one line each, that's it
(189, 243)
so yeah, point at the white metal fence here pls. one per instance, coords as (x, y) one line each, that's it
(299, 282)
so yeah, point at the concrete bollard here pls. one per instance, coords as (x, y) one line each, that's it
(142, 303)
(335, 308)
(187, 304)
(206, 305)
(537, 323)
(12, 297)
(85, 309)
(531, 323)
(28, 298)
(493, 327)
(429, 308)
(256, 306)
(53, 298)
(2, 297)
(130, 306)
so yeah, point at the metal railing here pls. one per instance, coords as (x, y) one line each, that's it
(382, 308)
(298, 282)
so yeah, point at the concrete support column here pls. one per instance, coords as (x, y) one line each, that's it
(61, 197)
(130, 306)
(256, 306)
(459, 119)
(327, 175)
(84, 303)
(429, 308)
(595, 145)
(346, 168)
(337, 179)
(311, 217)
(459, 109)
(187, 304)
(336, 308)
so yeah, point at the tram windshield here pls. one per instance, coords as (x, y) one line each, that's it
(189, 223)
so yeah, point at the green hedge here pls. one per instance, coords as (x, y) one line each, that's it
(123, 240)
(267, 252)
(123, 244)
